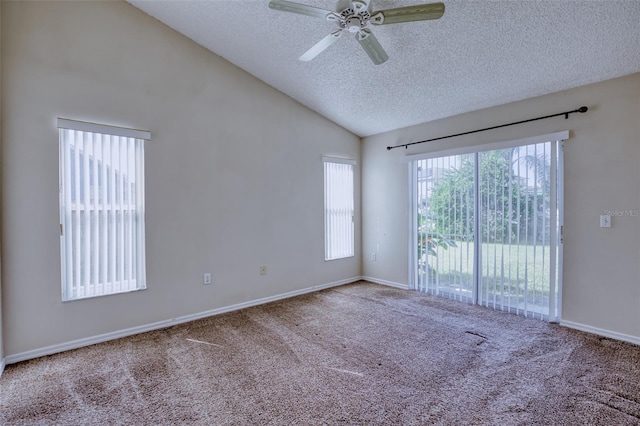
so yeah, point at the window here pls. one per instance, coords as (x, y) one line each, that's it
(487, 226)
(101, 209)
(338, 208)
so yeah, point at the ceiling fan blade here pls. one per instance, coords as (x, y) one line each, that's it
(371, 45)
(320, 46)
(301, 9)
(419, 12)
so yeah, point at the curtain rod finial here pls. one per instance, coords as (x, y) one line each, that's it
(583, 109)
(388, 148)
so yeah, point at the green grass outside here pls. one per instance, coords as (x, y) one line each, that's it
(506, 269)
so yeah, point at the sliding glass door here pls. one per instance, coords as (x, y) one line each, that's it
(445, 226)
(487, 227)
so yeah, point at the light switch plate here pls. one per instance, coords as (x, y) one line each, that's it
(605, 221)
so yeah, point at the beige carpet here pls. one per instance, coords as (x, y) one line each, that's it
(354, 355)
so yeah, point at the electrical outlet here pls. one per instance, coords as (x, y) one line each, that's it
(605, 221)
(206, 279)
(373, 256)
(263, 270)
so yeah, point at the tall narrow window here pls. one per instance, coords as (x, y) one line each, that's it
(339, 229)
(102, 240)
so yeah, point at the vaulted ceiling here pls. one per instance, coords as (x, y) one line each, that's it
(479, 54)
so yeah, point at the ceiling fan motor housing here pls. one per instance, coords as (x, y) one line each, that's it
(354, 19)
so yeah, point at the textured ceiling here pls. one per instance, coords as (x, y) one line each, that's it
(479, 54)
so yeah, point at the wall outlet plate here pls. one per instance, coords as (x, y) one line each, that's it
(263, 270)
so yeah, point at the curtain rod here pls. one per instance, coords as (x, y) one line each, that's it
(582, 109)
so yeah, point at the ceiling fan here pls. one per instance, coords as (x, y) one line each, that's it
(355, 18)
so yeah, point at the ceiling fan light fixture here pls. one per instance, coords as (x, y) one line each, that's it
(353, 24)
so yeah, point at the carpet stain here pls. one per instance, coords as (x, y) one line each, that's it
(94, 389)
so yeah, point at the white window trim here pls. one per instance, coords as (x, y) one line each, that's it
(85, 126)
(558, 136)
(339, 160)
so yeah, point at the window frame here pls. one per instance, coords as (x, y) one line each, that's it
(111, 210)
(556, 207)
(350, 252)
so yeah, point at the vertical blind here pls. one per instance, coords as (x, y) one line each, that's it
(487, 228)
(338, 208)
(518, 230)
(445, 226)
(101, 209)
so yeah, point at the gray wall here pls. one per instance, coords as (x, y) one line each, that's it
(602, 172)
(234, 174)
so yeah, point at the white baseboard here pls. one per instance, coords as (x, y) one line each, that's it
(75, 344)
(387, 283)
(2, 364)
(601, 332)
